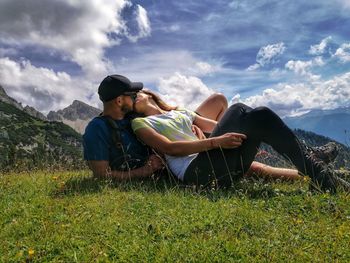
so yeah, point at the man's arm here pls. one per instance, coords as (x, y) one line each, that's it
(101, 169)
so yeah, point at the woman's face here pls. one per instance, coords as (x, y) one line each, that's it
(141, 102)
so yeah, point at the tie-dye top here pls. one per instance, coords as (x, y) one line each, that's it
(176, 125)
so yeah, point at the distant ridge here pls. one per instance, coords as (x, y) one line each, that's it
(30, 110)
(77, 115)
(331, 123)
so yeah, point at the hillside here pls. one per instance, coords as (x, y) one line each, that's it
(27, 142)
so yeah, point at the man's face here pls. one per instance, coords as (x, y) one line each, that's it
(128, 102)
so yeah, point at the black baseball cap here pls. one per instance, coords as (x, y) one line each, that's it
(113, 86)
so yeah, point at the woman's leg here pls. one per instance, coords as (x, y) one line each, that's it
(214, 108)
(269, 172)
(260, 125)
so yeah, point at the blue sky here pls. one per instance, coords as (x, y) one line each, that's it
(292, 56)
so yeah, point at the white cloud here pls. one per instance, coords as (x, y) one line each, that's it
(235, 99)
(287, 99)
(79, 29)
(143, 23)
(343, 53)
(268, 55)
(151, 66)
(253, 67)
(303, 67)
(321, 47)
(184, 91)
(43, 88)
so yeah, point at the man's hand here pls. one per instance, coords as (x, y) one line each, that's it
(155, 162)
(101, 169)
(198, 132)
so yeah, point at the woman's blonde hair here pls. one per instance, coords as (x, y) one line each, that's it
(161, 104)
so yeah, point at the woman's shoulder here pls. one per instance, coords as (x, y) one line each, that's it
(139, 122)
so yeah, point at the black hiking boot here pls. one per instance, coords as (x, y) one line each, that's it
(326, 153)
(322, 176)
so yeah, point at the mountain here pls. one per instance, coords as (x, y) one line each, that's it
(331, 123)
(27, 142)
(77, 115)
(30, 110)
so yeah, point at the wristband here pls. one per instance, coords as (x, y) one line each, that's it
(212, 143)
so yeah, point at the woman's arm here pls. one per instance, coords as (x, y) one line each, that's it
(181, 148)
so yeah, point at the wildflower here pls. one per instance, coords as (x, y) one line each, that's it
(55, 177)
(31, 253)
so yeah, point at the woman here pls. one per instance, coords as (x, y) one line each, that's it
(229, 151)
(214, 108)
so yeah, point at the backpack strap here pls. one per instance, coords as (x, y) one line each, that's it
(116, 136)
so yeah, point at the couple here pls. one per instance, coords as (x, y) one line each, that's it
(112, 149)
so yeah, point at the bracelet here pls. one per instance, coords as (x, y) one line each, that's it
(212, 143)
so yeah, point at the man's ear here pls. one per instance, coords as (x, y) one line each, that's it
(118, 100)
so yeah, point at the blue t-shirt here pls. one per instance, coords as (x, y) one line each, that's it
(99, 145)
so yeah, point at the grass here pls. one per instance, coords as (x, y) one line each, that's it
(70, 217)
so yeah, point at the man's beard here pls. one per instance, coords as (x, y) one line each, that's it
(126, 109)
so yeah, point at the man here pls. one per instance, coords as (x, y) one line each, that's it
(129, 159)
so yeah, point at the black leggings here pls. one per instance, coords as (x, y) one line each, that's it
(226, 165)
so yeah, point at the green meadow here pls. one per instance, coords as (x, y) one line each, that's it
(70, 217)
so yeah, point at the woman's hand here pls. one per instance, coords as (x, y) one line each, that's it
(198, 132)
(228, 140)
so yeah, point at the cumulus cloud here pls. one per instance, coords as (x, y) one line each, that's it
(151, 66)
(81, 30)
(290, 99)
(343, 53)
(43, 88)
(143, 24)
(184, 91)
(268, 54)
(321, 47)
(303, 67)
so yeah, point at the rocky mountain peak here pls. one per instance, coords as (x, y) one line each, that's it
(78, 110)
(30, 110)
(7, 99)
(77, 115)
(33, 112)
(2, 91)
